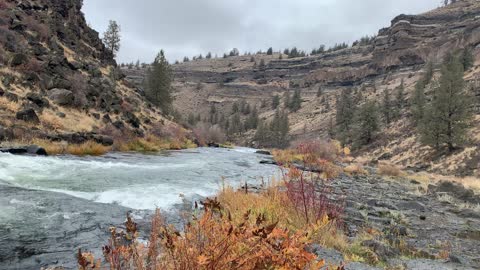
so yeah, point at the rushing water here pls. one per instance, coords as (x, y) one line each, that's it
(51, 206)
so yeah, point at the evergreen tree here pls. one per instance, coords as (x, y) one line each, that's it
(319, 92)
(418, 103)
(209, 55)
(399, 100)
(275, 102)
(366, 122)
(387, 107)
(449, 115)
(345, 114)
(296, 101)
(270, 51)
(235, 108)
(186, 59)
(263, 104)
(111, 37)
(252, 120)
(158, 83)
(467, 58)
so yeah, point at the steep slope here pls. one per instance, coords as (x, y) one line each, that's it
(59, 82)
(397, 53)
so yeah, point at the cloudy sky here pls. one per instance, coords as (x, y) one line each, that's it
(190, 27)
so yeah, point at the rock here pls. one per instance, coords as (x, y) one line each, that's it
(119, 124)
(18, 59)
(2, 133)
(28, 115)
(11, 96)
(106, 119)
(62, 97)
(132, 119)
(455, 189)
(213, 145)
(31, 149)
(36, 150)
(104, 140)
(61, 114)
(383, 251)
(331, 256)
(359, 266)
(263, 152)
(411, 205)
(2, 92)
(37, 100)
(268, 162)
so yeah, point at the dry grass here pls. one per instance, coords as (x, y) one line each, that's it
(355, 169)
(51, 121)
(62, 148)
(426, 179)
(87, 149)
(387, 169)
(152, 143)
(9, 105)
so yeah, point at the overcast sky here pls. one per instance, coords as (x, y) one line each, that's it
(190, 27)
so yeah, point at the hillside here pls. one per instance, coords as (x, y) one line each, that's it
(58, 82)
(399, 52)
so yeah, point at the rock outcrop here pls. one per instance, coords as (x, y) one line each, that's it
(57, 74)
(397, 53)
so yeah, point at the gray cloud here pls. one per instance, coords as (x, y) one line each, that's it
(190, 27)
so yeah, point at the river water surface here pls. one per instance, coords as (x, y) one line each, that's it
(51, 206)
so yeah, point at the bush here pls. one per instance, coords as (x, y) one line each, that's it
(212, 240)
(79, 88)
(205, 134)
(387, 169)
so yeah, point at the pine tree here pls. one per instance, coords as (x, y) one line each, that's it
(270, 51)
(387, 107)
(158, 83)
(296, 101)
(419, 101)
(111, 37)
(449, 115)
(345, 114)
(467, 58)
(366, 124)
(209, 55)
(275, 102)
(235, 108)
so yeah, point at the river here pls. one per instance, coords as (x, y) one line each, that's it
(51, 206)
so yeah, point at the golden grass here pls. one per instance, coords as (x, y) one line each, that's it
(355, 169)
(89, 148)
(276, 207)
(9, 105)
(51, 121)
(387, 169)
(153, 144)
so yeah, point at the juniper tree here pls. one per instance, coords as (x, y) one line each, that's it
(344, 116)
(387, 107)
(209, 55)
(296, 101)
(467, 58)
(275, 102)
(449, 114)
(270, 51)
(111, 37)
(319, 91)
(399, 99)
(366, 124)
(158, 83)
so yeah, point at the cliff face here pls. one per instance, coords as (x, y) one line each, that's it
(398, 52)
(57, 78)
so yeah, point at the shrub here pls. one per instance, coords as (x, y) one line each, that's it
(33, 65)
(355, 169)
(205, 134)
(87, 149)
(34, 25)
(212, 240)
(387, 169)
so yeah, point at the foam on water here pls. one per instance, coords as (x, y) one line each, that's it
(133, 180)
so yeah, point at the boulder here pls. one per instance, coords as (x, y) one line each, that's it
(263, 152)
(28, 115)
(37, 100)
(11, 96)
(455, 189)
(62, 97)
(132, 119)
(18, 59)
(61, 114)
(31, 149)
